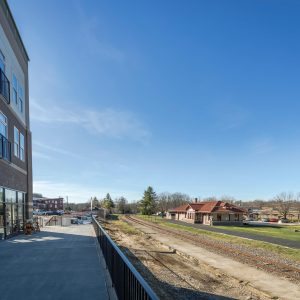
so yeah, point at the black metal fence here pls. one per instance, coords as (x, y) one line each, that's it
(5, 148)
(128, 283)
(4, 87)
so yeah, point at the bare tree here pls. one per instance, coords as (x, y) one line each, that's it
(121, 205)
(171, 200)
(228, 199)
(163, 202)
(284, 202)
(297, 206)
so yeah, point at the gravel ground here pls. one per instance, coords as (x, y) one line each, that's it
(173, 276)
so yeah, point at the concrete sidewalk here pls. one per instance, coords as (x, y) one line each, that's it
(58, 263)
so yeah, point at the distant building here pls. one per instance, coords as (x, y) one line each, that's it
(48, 204)
(15, 134)
(208, 213)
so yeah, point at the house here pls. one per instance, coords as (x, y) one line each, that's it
(15, 134)
(208, 213)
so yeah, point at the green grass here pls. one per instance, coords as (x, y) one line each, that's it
(125, 227)
(284, 232)
(277, 249)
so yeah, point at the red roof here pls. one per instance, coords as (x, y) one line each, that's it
(181, 208)
(208, 207)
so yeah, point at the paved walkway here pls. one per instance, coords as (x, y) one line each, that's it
(268, 239)
(58, 263)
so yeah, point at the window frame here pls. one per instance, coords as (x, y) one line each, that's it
(20, 97)
(14, 84)
(2, 59)
(21, 147)
(16, 142)
(5, 123)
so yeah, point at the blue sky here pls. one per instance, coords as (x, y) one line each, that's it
(200, 97)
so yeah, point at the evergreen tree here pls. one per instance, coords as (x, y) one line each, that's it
(148, 203)
(95, 203)
(108, 203)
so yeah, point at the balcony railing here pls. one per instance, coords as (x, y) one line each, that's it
(128, 283)
(4, 87)
(5, 148)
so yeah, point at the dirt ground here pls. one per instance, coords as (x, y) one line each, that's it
(173, 276)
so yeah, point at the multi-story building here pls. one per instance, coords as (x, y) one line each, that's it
(48, 204)
(15, 135)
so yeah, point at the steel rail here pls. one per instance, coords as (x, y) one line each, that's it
(265, 263)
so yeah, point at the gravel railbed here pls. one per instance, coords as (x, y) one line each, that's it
(178, 278)
(258, 257)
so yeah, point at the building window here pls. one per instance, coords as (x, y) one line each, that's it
(3, 124)
(16, 142)
(15, 89)
(19, 144)
(2, 62)
(20, 102)
(22, 148)
(17, 93)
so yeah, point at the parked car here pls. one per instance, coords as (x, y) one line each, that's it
(265, 220)
(284, 221)
(273, 220)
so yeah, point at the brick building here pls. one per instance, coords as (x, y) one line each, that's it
(15, 135)
(48, 204)
(208, 213)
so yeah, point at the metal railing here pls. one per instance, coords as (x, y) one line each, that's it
(5, 148)
(4, 87)
(127, 281)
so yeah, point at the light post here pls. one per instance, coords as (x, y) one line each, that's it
(64, 208)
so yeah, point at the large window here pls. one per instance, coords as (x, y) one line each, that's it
(21, 210)
(16, 142)
(2, 61)
(15, 89)
(1, 214)
(10, 211)
(22, 147)
(20, 102)
(17, 93)
(19, 144)
(3, 124)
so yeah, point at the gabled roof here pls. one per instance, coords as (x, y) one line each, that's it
(181, 208)
(209, 207)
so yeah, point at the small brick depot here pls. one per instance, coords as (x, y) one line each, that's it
(208, 213)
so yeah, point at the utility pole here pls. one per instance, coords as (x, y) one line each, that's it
(91, 204)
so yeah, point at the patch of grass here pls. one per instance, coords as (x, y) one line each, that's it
(125, 227)
(277, 249)
(284, 232)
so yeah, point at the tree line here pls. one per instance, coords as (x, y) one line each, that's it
(152, 202)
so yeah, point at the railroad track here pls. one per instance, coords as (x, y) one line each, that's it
(166, 267)
(263, 263)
